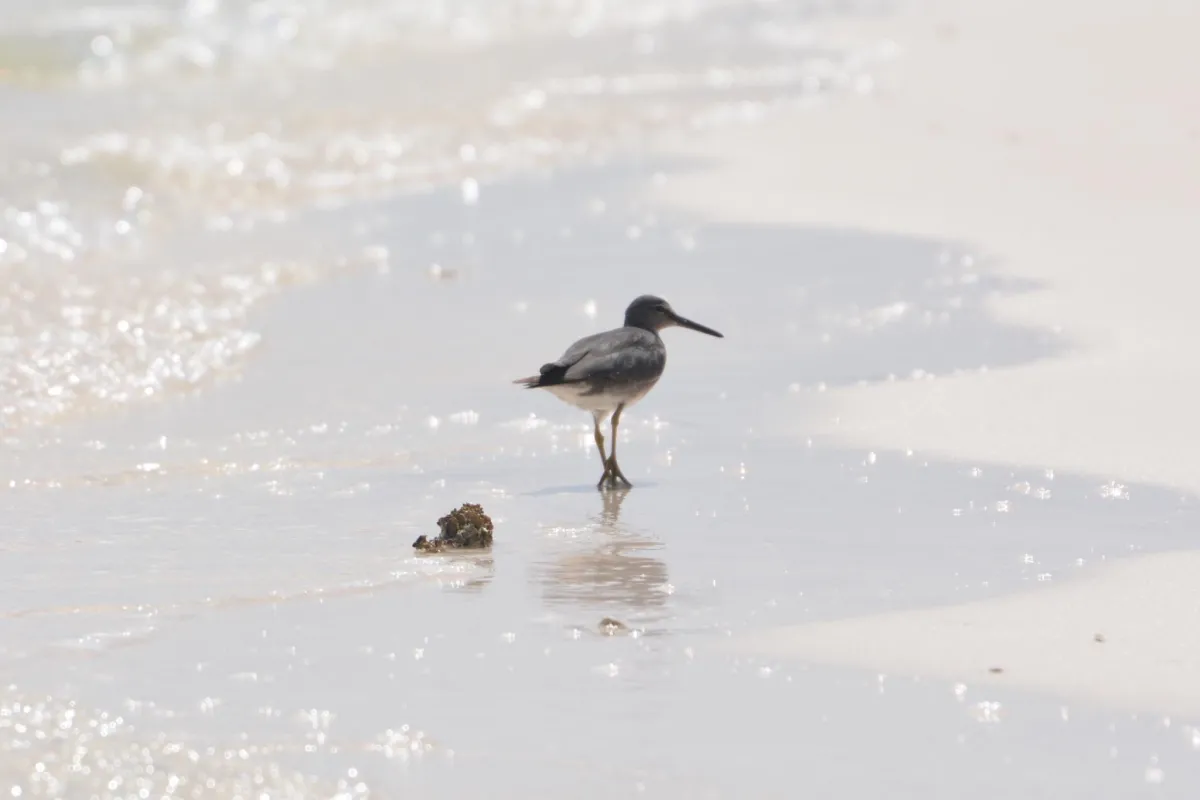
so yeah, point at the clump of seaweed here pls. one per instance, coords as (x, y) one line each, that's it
(464, 527)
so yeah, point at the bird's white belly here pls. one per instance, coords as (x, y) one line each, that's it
(600, 402)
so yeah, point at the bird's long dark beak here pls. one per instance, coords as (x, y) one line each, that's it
(684, 322)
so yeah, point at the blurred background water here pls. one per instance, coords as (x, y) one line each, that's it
(147, 145)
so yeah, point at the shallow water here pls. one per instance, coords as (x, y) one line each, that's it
(234, 571)
(227, 569)
(161, 143)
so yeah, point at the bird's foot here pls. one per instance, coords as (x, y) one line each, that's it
(613, 477)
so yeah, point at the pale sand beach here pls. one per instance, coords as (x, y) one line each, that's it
(1060, 139)
(271, 267)
(1121, 637)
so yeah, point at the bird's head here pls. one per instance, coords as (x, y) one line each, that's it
(653, 314)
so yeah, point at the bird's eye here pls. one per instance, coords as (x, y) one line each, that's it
(660, 307)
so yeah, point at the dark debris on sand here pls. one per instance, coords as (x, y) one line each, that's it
(466, 527)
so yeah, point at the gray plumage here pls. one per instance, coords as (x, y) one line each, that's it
(608, 360)
(607, 372)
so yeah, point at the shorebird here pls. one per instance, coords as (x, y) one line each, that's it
(607, 372)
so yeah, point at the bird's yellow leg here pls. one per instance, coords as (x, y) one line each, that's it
(607, 476)
(611, 467)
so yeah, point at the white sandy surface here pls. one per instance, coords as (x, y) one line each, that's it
(1123, 638)
(1061, 140)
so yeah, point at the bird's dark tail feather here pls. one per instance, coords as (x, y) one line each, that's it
(550, 375)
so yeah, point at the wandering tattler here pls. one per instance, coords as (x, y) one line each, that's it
(607, 372)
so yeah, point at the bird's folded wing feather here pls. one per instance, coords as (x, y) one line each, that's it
(611, 353)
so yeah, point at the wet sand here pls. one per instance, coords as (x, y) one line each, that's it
(1051, 145)
(1036, 161)
(230, 570)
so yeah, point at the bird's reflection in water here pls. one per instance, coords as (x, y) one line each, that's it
(609, 570)
(610, 514)
(478, 572)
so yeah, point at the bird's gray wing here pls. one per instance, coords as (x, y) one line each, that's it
(624, 351)
(575, 353)
(626, 354)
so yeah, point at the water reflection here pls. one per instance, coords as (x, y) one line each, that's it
(608, 568)
(610, 513)
(481, 570)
